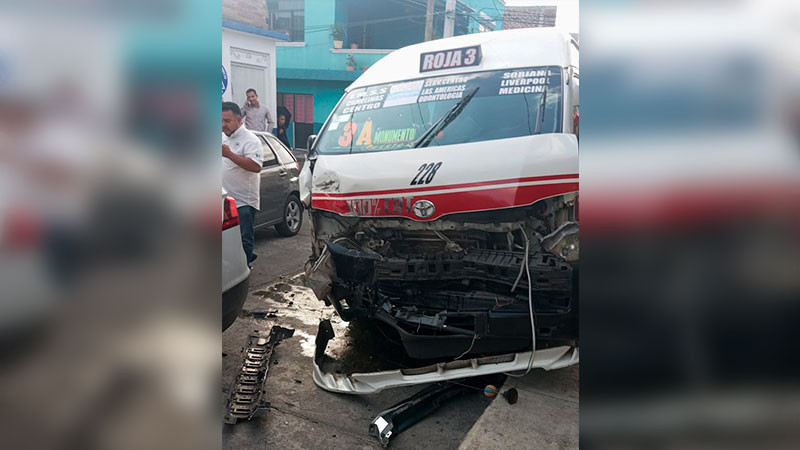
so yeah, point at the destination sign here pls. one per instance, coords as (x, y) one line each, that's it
(450, 59)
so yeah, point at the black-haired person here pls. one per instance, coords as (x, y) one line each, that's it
(256, 115)
(241, 171)
(280, 130)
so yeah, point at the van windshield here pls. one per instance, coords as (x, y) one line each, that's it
(393, 116)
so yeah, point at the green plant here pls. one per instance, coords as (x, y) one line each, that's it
(350, 61)
(337, 31)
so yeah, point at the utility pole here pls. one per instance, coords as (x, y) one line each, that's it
(449, 18)
(429, 21)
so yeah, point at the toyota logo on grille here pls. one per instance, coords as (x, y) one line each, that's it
(423, 208)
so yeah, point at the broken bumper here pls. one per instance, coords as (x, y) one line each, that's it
(370, 383)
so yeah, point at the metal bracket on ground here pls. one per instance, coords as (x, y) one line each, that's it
(247, 391)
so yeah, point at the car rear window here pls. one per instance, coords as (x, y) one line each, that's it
(284, 153)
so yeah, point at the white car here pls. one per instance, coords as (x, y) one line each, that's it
(235, 273)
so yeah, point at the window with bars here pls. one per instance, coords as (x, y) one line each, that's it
(287, 16)
(300, 106)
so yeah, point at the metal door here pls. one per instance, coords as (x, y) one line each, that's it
(272, 191)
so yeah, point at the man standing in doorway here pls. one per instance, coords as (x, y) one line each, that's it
(241, 171)
(256, 115)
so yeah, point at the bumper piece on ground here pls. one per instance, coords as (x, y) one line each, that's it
(369, 383)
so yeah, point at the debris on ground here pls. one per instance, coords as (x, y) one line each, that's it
(265, 314)
(407, 413)
(490, 391)
(511, 396)
(247, 392)
(271, 314)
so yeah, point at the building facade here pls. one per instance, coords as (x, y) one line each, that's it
(312, 72)
(248, 52)
(530, 16)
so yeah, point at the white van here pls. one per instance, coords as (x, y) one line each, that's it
(443, 196)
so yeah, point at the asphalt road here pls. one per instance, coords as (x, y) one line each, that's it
(279, 256)
(301, 415)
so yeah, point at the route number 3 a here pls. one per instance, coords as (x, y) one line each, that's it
(365, 138)
(469, 58)
(347, 135)
(426, 173)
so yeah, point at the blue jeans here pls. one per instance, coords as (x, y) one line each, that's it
(247, 216)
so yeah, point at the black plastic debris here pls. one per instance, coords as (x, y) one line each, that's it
(265, 314)
(409, 412)
(247, 392)
(511, 396)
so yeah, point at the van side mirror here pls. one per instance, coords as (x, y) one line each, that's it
(310, 142)
(576, 119)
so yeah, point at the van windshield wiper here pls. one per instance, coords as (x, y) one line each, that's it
(542, 106)
(429, 134)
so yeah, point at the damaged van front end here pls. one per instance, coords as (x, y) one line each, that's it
(456, 236)
(454, 286)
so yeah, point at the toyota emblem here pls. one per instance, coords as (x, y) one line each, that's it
(423, 208)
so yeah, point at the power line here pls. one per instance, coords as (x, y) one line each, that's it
(318, 28)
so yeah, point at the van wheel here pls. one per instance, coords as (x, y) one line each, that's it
(292, 217)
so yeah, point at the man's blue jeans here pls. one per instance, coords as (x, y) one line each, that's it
(247, 217)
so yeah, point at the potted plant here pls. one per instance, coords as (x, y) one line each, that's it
(354, 45)
(351, 62)
(337, 31)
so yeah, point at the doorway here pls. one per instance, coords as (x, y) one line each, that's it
(301, 107)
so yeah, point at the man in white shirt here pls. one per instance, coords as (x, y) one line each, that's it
(241, 169)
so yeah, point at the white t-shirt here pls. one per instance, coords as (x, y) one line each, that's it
(241, 184)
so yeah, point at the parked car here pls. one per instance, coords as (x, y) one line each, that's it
(235, 273)
(280, 191)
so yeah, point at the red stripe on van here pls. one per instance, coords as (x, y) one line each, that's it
(445, 203)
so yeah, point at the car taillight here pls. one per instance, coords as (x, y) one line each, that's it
(21, 230)
(230, 217)
(297, 163)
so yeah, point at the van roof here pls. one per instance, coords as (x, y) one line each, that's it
(500, 49)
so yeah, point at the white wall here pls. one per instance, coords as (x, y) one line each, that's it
(249, 48)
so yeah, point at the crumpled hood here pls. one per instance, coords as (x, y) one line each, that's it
(428, 183)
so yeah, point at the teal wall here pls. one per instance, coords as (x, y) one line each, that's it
(492, 8)
(320, 15)
(326, 94)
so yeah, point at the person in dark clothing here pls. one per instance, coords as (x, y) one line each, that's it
(280, 130)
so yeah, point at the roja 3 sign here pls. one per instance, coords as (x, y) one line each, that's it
(450, 59)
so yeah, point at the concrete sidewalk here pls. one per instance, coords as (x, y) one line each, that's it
(544, 417)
